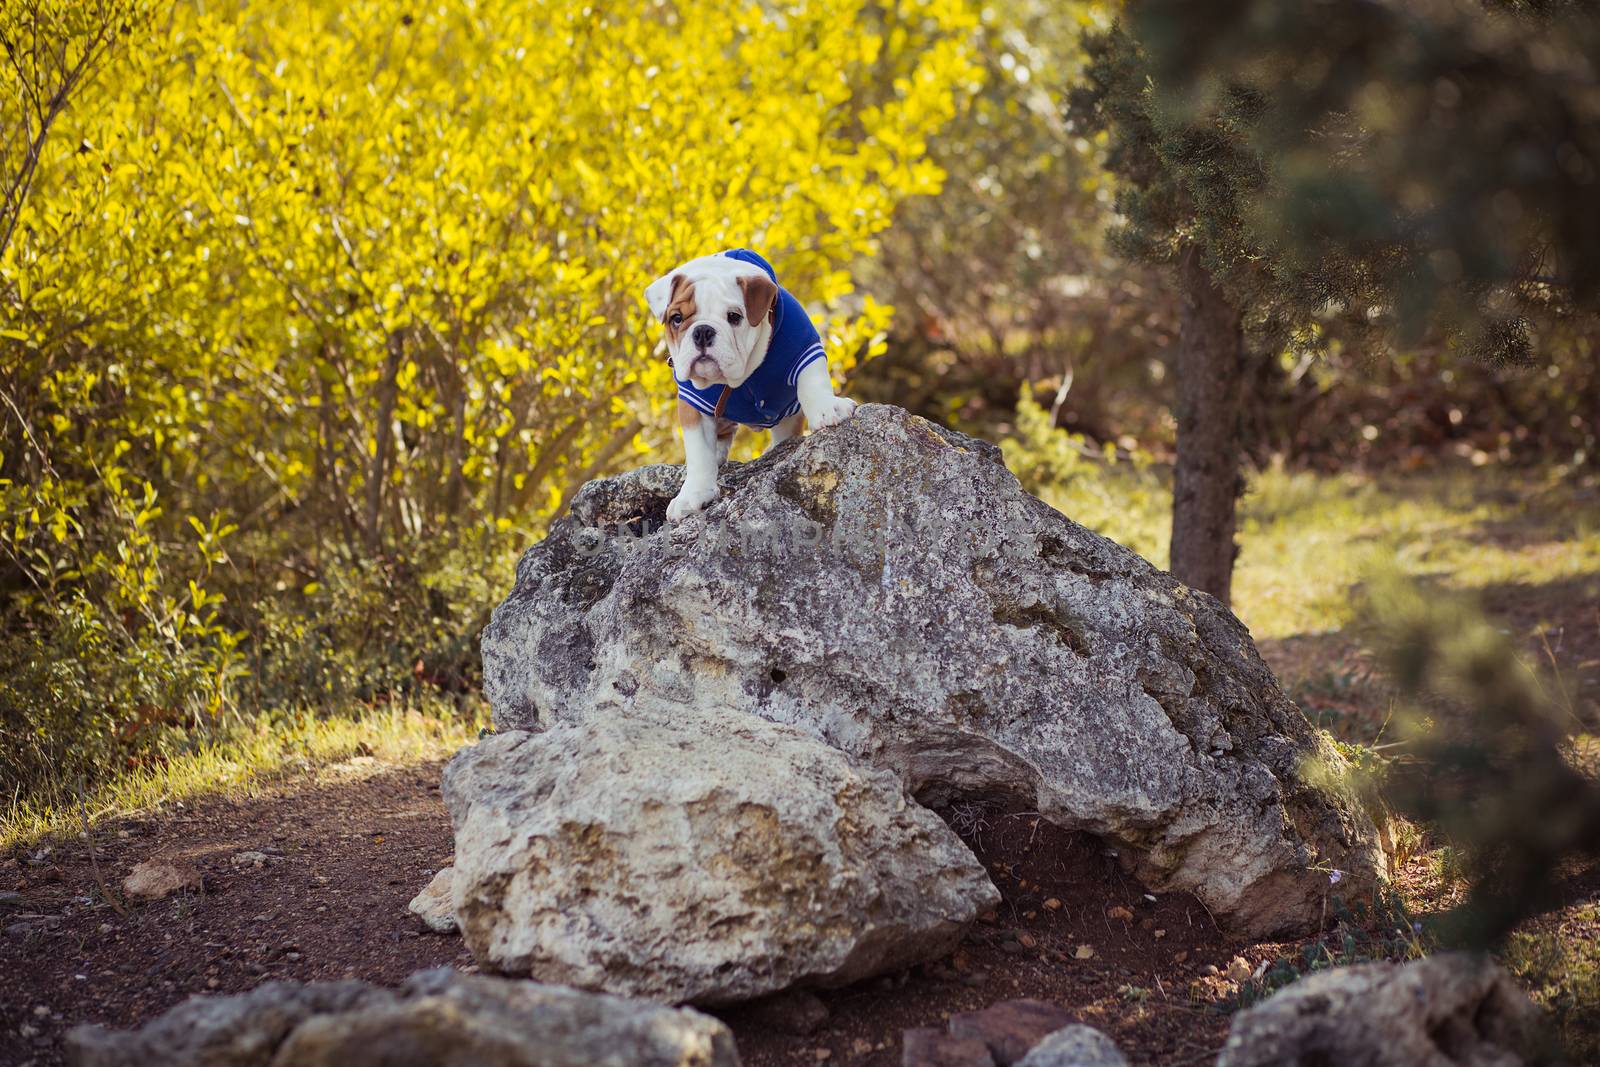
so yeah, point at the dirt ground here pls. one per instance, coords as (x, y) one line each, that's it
(347, 847)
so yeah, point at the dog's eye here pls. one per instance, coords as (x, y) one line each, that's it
(734, 318)
(677, 318)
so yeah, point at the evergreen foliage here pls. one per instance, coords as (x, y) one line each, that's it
(1428, 167)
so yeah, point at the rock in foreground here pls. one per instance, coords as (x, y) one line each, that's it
(697, 857)
(1445, 1011)
(436, 1019)
(887, 586)
(1075, 1046)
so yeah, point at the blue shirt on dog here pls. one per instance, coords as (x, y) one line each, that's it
(771, 393)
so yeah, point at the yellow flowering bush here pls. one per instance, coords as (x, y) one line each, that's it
(327, 288)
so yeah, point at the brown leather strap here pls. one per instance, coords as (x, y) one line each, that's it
(722, 402)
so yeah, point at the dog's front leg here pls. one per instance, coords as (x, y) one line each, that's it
(699, 463)
(785, 429)
(817, 402)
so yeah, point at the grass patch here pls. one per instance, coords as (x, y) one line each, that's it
(273, 746)
(1308, 541)
(1559, 965)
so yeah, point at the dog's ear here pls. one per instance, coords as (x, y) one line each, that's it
(760, 295)
(659, 293)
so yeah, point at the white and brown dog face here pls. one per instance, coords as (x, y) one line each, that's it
(718, 316)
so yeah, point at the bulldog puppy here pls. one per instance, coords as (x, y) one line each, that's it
(744, 353)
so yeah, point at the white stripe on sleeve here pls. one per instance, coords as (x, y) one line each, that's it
(808, 357)
(696, 401)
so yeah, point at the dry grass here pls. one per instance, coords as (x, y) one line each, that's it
(234, 765)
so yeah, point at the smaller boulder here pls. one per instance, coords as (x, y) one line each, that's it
(1012, 1027)
(435, 1018)
(698, 856)
(159, 878)
(433, 906)
(1451, 1010)
(249, 860)
(1075, 1046)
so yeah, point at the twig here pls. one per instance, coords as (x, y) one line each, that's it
(94, 863)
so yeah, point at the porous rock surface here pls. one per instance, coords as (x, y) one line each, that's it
(1451, 1010)
(887, 586)
(435, 1019)
(1075, 1046)
(698, 856)
(434, 905)
(157, 879)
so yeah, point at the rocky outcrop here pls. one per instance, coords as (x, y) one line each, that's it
(437, 1018)
(888, 587)
(1444, 1011)
(697, 856)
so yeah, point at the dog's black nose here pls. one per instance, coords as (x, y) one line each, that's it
(704, 334)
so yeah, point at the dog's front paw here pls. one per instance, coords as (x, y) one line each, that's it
(832, 413)
(689, 500)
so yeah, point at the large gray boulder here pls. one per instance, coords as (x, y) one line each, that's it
(1451, 1010)
(436, 1019)
(698, 856)
(887, 586)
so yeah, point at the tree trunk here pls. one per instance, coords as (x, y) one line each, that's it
(1207, 481)
(383, 442)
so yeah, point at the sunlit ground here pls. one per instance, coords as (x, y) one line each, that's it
(1525, 544)
(233, 767)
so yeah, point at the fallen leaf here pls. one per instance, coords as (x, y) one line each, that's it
(1085, 952)
(1028, 940)
(1119, 912)
(1053, 904)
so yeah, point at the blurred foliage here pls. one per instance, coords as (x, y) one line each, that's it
(1016, 279)
(1430, 167)
(1004, 280)
(313, 312)
(1487, 759)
